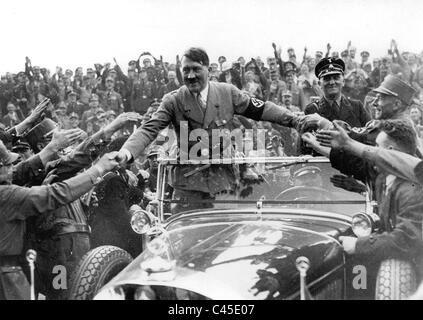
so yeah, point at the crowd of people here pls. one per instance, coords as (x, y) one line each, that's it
(92, 99)
(75, 147)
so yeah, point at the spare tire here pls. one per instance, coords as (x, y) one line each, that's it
(97, 267)
(396, 280)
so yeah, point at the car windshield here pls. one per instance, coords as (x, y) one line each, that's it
(289, 182)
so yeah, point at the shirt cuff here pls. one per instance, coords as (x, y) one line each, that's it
(94, 174)
(127, 154)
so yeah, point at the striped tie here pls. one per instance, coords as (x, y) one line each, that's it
(200, 102)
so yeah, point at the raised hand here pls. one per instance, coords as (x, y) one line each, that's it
(107, 162)
(337, 138)
(64, 138)
(312, 121)
(38, 111)
(123, 119)
(312, 142)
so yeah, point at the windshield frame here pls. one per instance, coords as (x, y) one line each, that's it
(162, 172)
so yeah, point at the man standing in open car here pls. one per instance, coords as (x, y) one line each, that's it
(197, 108)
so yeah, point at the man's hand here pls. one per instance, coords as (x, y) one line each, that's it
(337, 138)
(120, 121)
(132, 178)
(349, 244)
(347, 183)
(328, 47)
(394, 45)
(311, 142)
(121, 157)
(144, 174)
(312, 121)
(38, 111)
(50, 177)
(107, 162)
(64, 138)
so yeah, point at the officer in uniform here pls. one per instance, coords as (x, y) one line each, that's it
(334, 105)
(203, 106)
(111, 100)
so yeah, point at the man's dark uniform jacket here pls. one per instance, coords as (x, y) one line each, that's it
(351, 111)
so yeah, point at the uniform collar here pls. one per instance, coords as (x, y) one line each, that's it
(338, 101)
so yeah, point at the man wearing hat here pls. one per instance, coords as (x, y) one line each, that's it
(334, 105)
(61, 115)
(318, 56)
(364, 58)
(110, 99)
(287, 101)
(73, 105)
(21, 94)
(204, 105)
(142, 93)
(393, 98)
(19, 203)
(94, 105)
(292, 86)
(22, 148)
(11, 118)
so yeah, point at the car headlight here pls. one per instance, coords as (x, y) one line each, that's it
(141, 220)
(113, 293)
(364, 224)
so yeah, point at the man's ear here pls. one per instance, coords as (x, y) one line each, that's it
(343, 80)
(398, 105)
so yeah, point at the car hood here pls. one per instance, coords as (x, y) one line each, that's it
(241, 256)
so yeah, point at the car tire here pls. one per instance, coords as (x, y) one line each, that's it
(396, 280)
(97, 267)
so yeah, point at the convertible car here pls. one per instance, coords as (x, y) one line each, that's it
(274, 237)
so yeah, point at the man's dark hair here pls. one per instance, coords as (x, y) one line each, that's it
(402, 133)
(197, 55)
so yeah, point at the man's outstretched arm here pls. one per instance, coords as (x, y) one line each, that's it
(393, 162)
